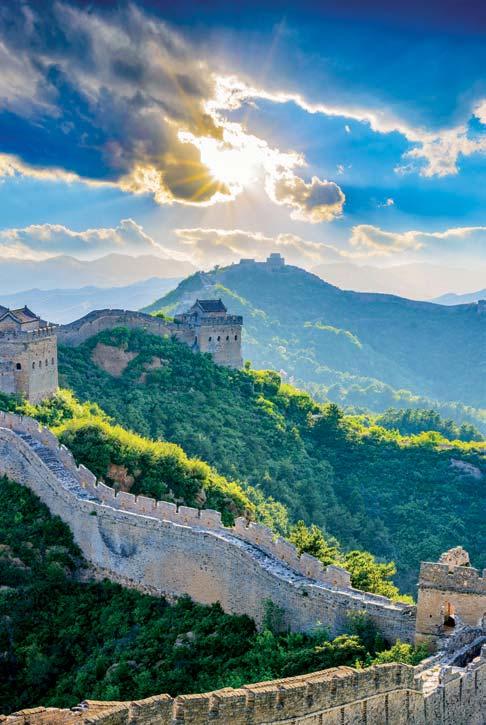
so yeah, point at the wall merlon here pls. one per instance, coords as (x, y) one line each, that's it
(105, 493)
(188, 515)
(126, 501)
(210, 518)
(146, 505)
(166, 510)
(88, 479)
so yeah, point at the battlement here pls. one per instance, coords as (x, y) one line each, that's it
(208, 320)
(224, 345)
(23, 336)
(254, 533)
(458, 578)
(393, 694)
(168, 550)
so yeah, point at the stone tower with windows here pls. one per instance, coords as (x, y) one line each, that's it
(214, 331)
(28, 355)
(451, 594)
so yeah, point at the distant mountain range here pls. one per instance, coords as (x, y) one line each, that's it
(66, 305)
(322, 335)
(453, 299)
(418, 281)
(65, 272)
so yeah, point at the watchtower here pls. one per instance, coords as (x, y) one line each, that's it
(451, 593)
(28, 355)
(215, 331)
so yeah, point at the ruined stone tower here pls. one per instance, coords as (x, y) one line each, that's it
(451, 594)
(215, 331)
(28, 355)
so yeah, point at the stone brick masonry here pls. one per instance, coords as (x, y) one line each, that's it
(160, 549)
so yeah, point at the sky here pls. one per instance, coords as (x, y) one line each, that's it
(214, 131)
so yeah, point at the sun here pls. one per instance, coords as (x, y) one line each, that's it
(234, 161)
(234, 166)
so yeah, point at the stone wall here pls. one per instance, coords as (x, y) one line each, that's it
(160, 549)
(221, 337)
(444, 589)
(91, 324)
(392, 694)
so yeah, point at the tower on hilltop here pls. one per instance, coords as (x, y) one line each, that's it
(214, 331)
(28, 355)
(275, 261)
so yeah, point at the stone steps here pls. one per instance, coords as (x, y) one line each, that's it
(67, 480)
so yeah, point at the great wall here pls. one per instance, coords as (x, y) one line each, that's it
(164, 550)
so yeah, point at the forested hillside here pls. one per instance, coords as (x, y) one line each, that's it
(405, 498)
(378, 346)
(63, 641)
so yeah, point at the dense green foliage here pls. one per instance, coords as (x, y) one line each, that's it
(157, 469)
(411, 422)
(401, 498)
(62, 641)
(362, 347)
(366, 573)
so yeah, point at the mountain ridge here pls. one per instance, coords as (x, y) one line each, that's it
(297, 322)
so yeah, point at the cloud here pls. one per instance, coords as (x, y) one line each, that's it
(104, 97)
(41, 241)
(371, 240)
(317, 201)
(434, 152)
(118, 97)
(223, 246)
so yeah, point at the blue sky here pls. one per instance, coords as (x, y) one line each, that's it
(353, 134)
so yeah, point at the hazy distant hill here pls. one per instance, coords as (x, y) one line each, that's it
(66, 305)
(320, 334)
(65, 272)
(419, 281)
(453, 299)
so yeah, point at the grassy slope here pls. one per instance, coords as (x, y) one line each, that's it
(371, 488)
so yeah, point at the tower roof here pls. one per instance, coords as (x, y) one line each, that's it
(210, 305)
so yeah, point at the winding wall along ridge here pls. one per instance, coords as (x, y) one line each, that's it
(157, 548)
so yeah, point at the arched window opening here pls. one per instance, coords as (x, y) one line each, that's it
(236, 337)
(52, 361)
(449, 618)
(227, 338)
(47, 363)
(19, 366)
(40, 363)
(209, 339)
(33, 366)
(219, 338)
(195, 340)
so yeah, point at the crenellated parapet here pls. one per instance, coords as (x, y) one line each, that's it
(392, 694)
(216, 333)
(167, 550)
(461, 579)
(257, 534)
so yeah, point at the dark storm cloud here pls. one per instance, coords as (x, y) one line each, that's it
(103, 95)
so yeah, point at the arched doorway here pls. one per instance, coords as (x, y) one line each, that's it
(449, 618)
